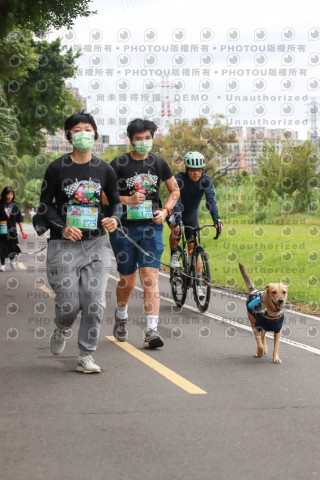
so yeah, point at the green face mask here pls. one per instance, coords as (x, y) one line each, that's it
(83, 141)
(143, 147)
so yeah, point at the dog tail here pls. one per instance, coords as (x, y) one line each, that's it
(246, 278)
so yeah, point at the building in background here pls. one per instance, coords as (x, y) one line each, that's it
(75, 92)
(248, 147)
(58, 143)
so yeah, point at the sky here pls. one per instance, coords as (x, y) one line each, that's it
(255, 63)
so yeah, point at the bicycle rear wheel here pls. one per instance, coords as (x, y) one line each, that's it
(201, 285)
(178, 281)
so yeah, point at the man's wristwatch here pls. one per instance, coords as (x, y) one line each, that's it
(169, 210)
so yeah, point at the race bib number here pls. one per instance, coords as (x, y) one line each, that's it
(82, 217)
(3, 228)
(142, 211)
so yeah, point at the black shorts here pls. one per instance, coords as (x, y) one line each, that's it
(187, 223)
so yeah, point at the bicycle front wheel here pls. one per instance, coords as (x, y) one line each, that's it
(201, 283)
(178, 281)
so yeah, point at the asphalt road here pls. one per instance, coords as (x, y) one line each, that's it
(245, 419)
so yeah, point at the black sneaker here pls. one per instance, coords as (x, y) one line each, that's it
(153, 339)
(120, 331)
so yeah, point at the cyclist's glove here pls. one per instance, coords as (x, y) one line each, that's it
(219, 224)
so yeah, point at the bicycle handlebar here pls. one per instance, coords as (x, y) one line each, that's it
(198, 229)
(218, 230)
(181, 226)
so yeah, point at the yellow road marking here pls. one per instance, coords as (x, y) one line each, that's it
(46, 290)
(21, 266)
(150, 362)
(158, 367)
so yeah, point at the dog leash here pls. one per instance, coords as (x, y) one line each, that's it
(120, 229)
(33, 253)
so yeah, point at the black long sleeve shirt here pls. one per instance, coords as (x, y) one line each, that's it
(67, 183)
(191, 194)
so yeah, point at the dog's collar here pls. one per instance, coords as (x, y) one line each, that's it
(273, 317)
(262, 311)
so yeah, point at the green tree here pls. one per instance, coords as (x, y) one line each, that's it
(243, 178)
(291, 173)
(25, 174)
(41, 15)
(18, 56)
(268, 178)
(303, 171)
(8, 130)
(40, 97)
(199, 135)
(111, 153)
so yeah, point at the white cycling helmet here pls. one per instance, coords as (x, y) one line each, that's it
(194, 160)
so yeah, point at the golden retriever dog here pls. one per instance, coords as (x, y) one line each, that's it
(265, 312)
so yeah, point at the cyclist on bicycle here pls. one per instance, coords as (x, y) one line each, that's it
(193, 184)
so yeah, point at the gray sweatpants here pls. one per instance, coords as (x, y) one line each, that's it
(78, 274)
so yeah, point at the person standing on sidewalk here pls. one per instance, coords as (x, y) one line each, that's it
(10, 216)
(79, 252)
(139, 174)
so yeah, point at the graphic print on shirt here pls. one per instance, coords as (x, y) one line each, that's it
(84, 192)
(81, 211)
(144, 183)
(8, 210)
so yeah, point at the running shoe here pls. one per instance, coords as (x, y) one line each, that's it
(200, 293)
(86, 364)
(153, 339)
(58, 341)
(13, 264)
(174, 262)
(120, 331)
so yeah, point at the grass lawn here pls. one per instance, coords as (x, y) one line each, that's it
(275, 250)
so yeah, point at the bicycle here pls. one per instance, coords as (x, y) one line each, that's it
(186, 276)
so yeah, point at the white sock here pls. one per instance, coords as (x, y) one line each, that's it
(152, 321)
(122, 312)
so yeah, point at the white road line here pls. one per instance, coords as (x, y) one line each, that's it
(292, 343)
(230, 294)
